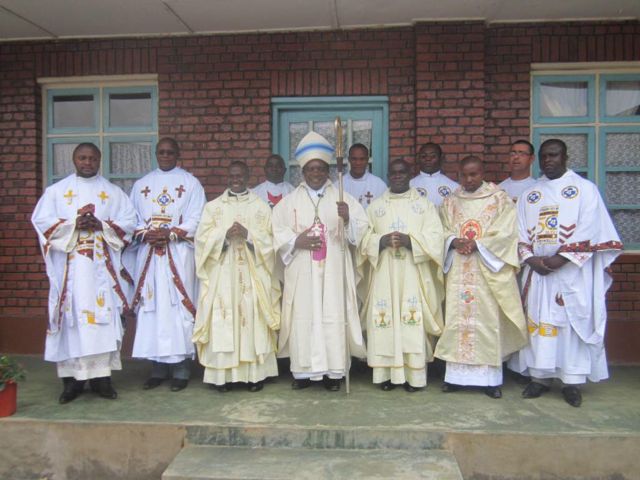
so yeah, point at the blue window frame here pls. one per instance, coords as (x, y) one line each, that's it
(603, 143)
(365, 120)
(121, 120)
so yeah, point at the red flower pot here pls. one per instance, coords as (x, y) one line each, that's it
(8, 398)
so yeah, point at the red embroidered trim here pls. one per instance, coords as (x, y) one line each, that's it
(63, 294)
(51, 229)
(120, 232)
(586, 247)
(126, 275)
(114, 275)
(143, 275)
(180, 286)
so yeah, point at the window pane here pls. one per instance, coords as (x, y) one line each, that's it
(623, 149)
(362, 130)
(628, 225)
(296, 132)
(563, 99)
(623, 98)
(623, 188)
(73, 111)
(577, 148)
(63, 159)
(130, 109)
(130, 157)
(124, 183)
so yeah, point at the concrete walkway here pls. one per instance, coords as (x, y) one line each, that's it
(494, 438)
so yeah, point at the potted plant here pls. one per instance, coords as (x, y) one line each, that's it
(10, 373)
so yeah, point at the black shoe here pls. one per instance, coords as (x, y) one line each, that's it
(255, 387)
(72, 388)
(331, 384)
(572, 396)
(152, 383)
(178, 384)
(104, 388)
(493, 392)
(534, 390)
(387, 386)
(300, 383)
(410, 388)
(450, 387)
(224, 388)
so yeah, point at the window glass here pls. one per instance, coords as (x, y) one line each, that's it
(73, 111)
(130, 109)
(563, 99)
(623, 98)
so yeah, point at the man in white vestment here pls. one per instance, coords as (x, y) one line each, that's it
(521, 157)
(274, 188)
(83, 223)
(361, 184)
(169, 202)
(484, 322)
(239, 302)
(567, 243)
(403, 309)
(431, 182)
(307, 226)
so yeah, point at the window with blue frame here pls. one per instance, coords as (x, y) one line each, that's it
(598, 116)
(121, 120)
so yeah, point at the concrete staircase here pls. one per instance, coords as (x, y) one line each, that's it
(303, 453)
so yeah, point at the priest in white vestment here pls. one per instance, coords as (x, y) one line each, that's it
(307, 228)
(521, 156)
(274, 188)
(83, 223)
(431, 182)
(567, 243)
(361, 184)
(239, 303)
(403, 310)
(484, 322)
(169, 202)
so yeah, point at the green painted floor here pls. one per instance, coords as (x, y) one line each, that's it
(611, 407)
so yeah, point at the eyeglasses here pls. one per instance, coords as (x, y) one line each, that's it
(166, 152)
(514, 153)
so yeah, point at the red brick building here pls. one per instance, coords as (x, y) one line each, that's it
(473, 87)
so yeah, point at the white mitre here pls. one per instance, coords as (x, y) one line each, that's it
(313, 147)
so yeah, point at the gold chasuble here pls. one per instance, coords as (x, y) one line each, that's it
(484, 318)
(238, 308)
(403, 308)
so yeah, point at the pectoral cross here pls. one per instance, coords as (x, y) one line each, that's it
(369, 197)
(103, 196)
(146, 191)
(180, 191)
(69, 196)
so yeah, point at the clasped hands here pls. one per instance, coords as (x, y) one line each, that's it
(546, 265)
(87, 221)
(157, 237)
(395, 240)
(237, 231)
(464, 246)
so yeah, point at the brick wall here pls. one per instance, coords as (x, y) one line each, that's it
(464, 85)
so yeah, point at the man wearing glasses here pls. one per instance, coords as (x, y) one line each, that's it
(521, 157)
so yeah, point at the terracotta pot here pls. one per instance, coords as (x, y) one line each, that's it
(8, 398)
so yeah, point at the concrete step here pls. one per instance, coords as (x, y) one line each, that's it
(200, 462)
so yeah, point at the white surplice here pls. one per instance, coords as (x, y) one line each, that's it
(435, 186)
(514, 188)
(313, 329)
(271, 192)
(165, 280)
(566, 310)
(364, 189)
(86, 295)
